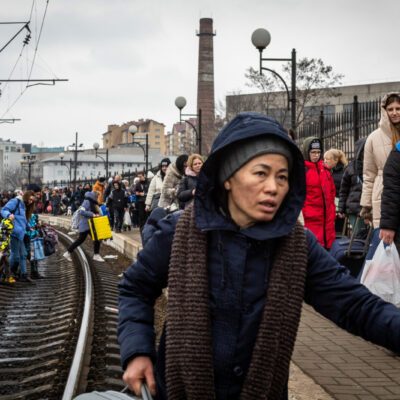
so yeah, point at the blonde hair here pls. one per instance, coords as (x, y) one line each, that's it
(337, 156)
(193, 157)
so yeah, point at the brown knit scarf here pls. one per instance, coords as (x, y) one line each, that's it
(189, 361)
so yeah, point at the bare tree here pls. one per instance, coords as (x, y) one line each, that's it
(315, 85)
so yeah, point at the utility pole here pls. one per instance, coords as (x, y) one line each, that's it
(75, 157)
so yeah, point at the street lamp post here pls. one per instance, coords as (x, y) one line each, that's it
(133, 130)
(29, 162)
(96, 149)
(75, 150)
(62, 155)
(261, 38)
(180, 102)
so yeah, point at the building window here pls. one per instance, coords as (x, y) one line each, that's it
(129, 164)
(157, 143)
(157, 136)
(158, 130)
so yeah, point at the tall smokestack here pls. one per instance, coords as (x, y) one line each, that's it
(205, 84)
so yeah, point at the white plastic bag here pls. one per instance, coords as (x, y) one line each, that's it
(381, 274)
(127, 219)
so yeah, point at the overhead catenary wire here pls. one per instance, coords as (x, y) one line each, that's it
(34, 56)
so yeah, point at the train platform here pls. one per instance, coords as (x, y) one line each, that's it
(328, 363)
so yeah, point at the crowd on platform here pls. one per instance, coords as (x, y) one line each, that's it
(237, 263)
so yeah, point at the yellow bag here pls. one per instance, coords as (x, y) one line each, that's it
(100, 228)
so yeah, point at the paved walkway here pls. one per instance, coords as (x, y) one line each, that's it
(329, 363)
(346, 366)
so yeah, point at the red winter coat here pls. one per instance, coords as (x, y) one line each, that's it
(319, 209)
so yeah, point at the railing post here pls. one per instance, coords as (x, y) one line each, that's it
(321, 127)
(356, 119)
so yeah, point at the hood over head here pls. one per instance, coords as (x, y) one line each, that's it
(90, 196)
(384, 123)
(209, 192)
(309, 143)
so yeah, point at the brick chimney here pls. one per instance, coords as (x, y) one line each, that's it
(205, 84)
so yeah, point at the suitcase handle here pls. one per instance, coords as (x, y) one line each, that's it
(353, 235)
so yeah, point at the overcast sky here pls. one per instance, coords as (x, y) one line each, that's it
(130, 59)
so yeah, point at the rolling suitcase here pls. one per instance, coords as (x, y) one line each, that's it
(100, 228)
(351, 252)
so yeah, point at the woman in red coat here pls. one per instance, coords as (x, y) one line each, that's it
(319, 209)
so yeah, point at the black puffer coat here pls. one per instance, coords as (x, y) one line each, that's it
(351, 186)
(185, 191)
(337, 174)
(390, 201)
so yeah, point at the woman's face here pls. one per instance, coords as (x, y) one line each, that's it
(196, 165)
(31, 200)
(393, 112)
(164, 169)
(315, 155)
(330, 161)
(257, 189)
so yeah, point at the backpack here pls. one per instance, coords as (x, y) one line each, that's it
(76, 218)
(50, 234)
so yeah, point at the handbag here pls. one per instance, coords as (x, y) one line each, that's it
(381, 274)
(154, 201)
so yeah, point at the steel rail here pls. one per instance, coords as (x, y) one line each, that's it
(78, 358)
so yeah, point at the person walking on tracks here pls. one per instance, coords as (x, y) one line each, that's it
(238, 266)
(90, 209)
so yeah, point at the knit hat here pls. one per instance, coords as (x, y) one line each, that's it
(315, 144)
(165, 162)
(239, 153)
(102, 179)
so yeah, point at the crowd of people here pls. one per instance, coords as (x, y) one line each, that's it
(237, 262)
(226, 236)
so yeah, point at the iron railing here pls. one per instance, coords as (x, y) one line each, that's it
(342, 130)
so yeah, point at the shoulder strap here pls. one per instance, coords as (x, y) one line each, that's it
(16, 207)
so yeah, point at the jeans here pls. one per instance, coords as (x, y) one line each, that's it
(118, 218)
(81, 239)
(18, 254)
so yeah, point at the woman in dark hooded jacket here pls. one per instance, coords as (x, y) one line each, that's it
(238, 267)
(351, 186)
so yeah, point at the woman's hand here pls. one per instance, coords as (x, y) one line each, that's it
(11, 217)
(387, 235)
(193, 192)
(341, 215)
(139, 369)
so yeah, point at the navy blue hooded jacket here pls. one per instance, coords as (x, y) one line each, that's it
(239, 261)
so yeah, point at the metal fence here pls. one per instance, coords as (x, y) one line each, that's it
(342, 130)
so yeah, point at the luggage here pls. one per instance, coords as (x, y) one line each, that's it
(112, 395)
(351, 252)
(100, 228)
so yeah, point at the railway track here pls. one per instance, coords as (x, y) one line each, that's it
(58, 336)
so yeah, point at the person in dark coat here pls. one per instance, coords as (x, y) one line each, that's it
(238, 266)
(187, 185)
(351, 186)
(117, 201)
(76, 199)
(141, 189)
(390, 201)
(336, 161)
